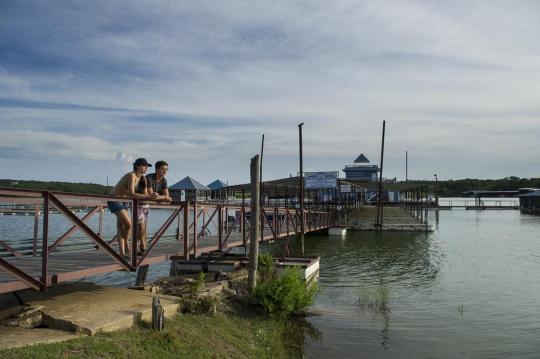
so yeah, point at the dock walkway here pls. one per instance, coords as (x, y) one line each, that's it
(48, 266)
(394, 219)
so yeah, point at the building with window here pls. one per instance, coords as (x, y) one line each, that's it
(361, 170)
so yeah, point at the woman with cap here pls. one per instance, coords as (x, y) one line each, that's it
(127, 187)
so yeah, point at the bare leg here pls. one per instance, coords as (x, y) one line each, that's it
(142, 236)
(124, 229)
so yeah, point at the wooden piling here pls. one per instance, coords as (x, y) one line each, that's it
(254, 223)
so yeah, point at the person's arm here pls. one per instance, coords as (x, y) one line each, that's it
(133, 193)
(165, 190)
(165, 196)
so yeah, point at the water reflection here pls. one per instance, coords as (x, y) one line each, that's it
(296, 332)
(368, 257)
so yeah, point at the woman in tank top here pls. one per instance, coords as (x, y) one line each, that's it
(127, 187)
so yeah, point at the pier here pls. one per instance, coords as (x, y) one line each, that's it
(190, 229)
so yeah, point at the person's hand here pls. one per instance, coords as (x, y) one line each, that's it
(154, 196)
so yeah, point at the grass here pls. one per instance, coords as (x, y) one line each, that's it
(236, 334)
(376, 300)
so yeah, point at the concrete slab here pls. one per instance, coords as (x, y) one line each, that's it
(88, 308)
(19, 337)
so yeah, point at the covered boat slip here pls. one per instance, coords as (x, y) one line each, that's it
(48, 263)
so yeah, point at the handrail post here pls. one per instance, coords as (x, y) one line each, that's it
(36, 230)
(178, 226)
(186, 230)
(220, 226)
(275, 224)
(243, 218)
(45, 240)
(134, 231)
(100, 233)
(195, 229)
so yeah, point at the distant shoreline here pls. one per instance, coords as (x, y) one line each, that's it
(449, 188)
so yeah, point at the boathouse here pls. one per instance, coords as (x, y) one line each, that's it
(217, 184)
(361, 170)
(530, 202)
(192, 190)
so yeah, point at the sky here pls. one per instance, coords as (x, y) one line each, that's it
(86, 87)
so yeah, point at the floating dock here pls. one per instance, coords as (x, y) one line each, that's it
(394, 219)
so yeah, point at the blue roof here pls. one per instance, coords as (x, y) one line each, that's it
(217, 184)
(361, 159)
(189, 183)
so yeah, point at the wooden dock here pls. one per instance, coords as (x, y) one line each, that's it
(394, 219)
(47, 265)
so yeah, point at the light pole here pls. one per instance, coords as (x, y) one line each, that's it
(301, 189)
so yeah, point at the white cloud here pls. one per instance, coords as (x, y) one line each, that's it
(452, 79)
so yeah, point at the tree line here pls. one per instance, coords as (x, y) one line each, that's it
(449, 188)
(87, 188)
(455, 188)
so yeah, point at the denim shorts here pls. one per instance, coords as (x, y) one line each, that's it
(117, 206)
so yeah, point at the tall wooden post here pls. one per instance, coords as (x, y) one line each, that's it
(254, 223)
(406, 166)
(302, 215)
(380, 208)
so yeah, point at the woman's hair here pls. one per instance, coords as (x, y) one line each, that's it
(142, 185)
(161, 163)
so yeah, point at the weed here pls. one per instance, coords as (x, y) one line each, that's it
(286, 294)
(194, 287)
(375, 300)
(266, 267)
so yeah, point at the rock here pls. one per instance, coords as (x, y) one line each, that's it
(27, 317)
(230, 292)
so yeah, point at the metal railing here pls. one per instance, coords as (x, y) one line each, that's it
(199, 228)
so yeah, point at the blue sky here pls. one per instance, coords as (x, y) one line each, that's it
(87, 87)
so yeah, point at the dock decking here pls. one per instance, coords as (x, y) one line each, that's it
(49, 266)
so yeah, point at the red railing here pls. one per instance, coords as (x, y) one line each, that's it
(195, 224)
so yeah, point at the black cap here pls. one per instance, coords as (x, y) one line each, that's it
(141, 162)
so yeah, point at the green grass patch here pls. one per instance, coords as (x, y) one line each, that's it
(239, 334)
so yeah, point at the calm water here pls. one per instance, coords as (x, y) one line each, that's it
(468, 290)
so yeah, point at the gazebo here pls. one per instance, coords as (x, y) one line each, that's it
(193, 190)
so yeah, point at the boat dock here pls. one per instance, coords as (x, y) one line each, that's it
(188, 222)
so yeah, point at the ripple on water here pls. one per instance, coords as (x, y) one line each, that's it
(469, 289)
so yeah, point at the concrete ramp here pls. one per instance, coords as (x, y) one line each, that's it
(88, 308)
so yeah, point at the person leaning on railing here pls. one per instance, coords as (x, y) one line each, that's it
(156, 185)
(126, 187)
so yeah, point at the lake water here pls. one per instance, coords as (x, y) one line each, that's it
(470, 289)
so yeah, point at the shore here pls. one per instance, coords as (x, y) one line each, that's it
(205, 317)
(234, 334)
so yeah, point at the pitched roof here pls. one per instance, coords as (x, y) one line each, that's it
(217, 184)
(189, 183)
(361, 159)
